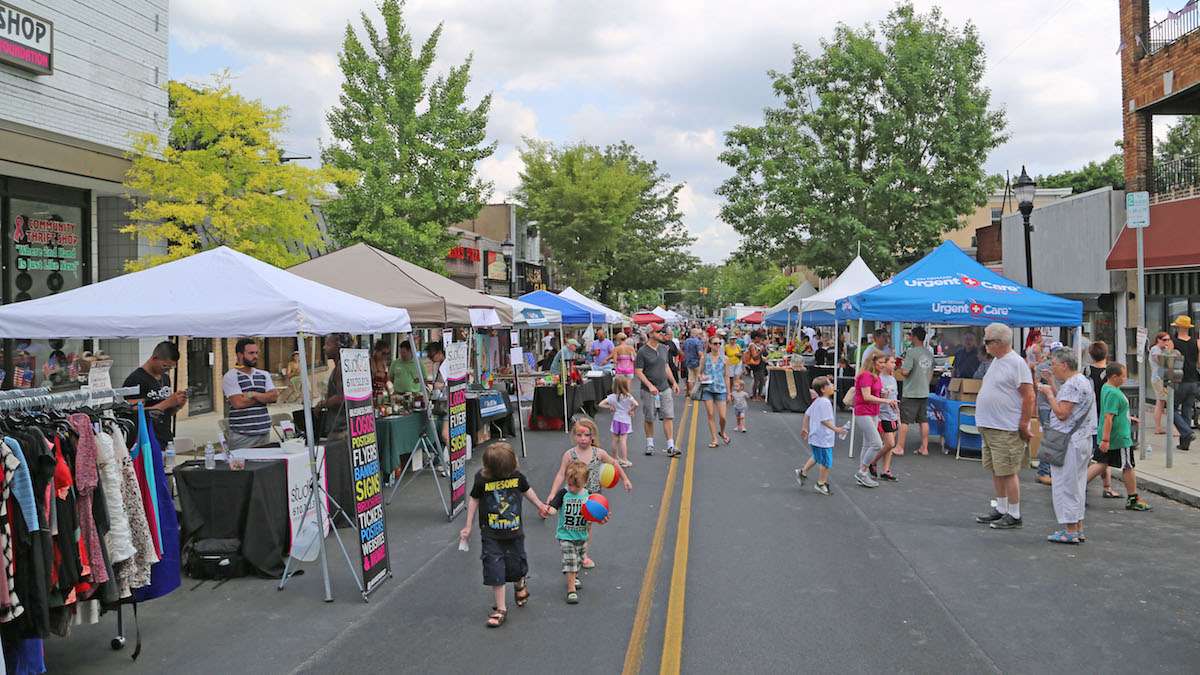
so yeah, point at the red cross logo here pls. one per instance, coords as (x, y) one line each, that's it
(976, 308)
(969, 282)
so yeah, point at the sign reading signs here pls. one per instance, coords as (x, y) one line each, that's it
(26, 40)
(456, 393)
(364, 467)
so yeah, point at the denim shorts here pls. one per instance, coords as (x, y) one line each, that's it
(707, 394)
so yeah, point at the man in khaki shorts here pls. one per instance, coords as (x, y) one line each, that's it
(1002, 413)
(658, 388)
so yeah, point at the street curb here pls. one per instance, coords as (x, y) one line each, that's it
(1165, 488)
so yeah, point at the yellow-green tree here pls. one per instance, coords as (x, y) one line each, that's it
(218, 180)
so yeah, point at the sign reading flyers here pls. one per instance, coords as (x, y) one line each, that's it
(456, 393)
(364, 467)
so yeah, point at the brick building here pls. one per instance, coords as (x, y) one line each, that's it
(1160, 75)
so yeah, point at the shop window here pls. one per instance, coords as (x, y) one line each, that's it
(45, 250)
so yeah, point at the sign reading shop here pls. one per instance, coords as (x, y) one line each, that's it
(26, 40)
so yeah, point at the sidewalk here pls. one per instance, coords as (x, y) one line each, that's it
(1181, 482)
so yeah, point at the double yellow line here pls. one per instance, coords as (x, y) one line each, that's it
(673, 637)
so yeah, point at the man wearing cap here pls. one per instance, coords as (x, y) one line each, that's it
(565, 356)
(1189, 388)
(659, 383)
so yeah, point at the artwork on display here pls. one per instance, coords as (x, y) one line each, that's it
(363, 442)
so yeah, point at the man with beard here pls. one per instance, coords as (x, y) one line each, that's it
(249, 391)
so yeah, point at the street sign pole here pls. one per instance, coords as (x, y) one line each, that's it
(1137, 216)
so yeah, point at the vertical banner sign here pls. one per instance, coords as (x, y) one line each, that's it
(364, 467)
(456, 392)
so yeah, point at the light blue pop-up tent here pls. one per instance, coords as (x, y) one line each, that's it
(947, 286)
(573, 313)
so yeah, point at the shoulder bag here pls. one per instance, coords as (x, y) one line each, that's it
(1053, 450)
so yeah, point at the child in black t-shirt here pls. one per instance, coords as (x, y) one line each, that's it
(496, 495)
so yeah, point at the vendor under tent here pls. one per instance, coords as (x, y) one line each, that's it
(573, 313)
(217, 293)
(610, 315)
(947, 286)
(532, 317)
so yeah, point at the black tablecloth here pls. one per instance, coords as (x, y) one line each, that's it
(777, 390)
(251, 505)
(547, 411)
(475, 421)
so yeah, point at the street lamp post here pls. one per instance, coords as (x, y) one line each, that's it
(509, 249)
(1025, 189)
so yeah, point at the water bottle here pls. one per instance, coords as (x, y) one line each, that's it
(210, 457)
(169, 457)
(1149, 449)
(657, 401)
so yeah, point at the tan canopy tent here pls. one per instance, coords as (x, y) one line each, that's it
(431, 299)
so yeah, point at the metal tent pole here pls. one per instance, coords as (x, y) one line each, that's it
(562, 378)
(857, 369)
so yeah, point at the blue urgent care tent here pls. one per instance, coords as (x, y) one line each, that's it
(573, 313)
(947, 286)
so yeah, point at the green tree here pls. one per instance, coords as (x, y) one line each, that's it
(414, 143)
(774, 290)
(610, 218)
(1093, 175)
(1182, 140)
(218, 180)
(879, 141)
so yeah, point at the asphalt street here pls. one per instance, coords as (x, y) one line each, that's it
(776, 578)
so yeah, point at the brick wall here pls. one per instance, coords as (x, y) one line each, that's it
(110, 65)
(1142, 82)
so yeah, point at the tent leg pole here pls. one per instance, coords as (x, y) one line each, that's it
(562, 343)
(857, 369)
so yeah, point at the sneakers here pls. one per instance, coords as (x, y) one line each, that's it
(871, 469)
(990, 517)
(1135, 504)
(864, 479)
(800, 476)
(1184, 444)
(649, 450)
(889, 476)
(822, 488)
(1006, 523)
(674, 452)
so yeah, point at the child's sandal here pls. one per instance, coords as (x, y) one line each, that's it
(572, 598)
(497, 617)
(521, 594)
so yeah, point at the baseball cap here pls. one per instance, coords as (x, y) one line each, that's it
(656, 327)
(573, 342)
(1182, 321)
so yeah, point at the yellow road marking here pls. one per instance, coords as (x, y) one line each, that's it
(673, 637)
(641, 618)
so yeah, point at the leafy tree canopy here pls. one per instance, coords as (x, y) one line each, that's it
(414, 142)
(218, 180)
(880, 141)
(1093, 175)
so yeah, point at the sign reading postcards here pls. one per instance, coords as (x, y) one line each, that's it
(364, 468)
(456, 392)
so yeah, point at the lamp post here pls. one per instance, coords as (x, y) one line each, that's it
(1025, 188)
(509, 249)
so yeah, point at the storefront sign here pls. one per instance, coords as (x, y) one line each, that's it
(26, 40)
(364, 467)
(463, 253)
(46, 245)
(456, 381)
(497, 269)
(533, 278)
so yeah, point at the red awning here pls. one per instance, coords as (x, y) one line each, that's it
(643, 318)
(753, 317)
(1170, 241)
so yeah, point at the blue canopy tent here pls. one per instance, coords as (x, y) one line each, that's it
(813, 318)
(573, 313)
(947, 286)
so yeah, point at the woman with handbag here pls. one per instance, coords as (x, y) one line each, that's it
(1067, 444)
(713, 388)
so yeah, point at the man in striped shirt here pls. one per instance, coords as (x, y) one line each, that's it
(248, 390)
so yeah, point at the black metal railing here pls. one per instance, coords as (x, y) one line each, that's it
(1177, 174)
(1174, 27)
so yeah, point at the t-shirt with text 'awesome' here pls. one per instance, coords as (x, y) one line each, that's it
(500, 505)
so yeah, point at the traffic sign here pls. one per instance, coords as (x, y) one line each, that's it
(1137, 209)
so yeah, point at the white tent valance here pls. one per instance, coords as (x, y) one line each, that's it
(217, 293)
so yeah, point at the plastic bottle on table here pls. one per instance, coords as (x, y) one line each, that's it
(210, 457)
(169, 457)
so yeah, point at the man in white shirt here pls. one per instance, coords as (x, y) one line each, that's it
(249, 391)
(1002, 413)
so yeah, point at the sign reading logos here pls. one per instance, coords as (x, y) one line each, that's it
(364, 465)
(26, 40)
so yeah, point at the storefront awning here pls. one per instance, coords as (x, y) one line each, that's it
(1170, 241)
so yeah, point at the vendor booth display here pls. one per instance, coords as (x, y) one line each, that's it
(217, 293)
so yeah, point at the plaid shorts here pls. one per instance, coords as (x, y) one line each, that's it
(572, 554)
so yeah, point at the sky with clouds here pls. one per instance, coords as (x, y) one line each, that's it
(670, 76)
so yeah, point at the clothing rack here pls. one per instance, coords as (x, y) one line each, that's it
(29, 399)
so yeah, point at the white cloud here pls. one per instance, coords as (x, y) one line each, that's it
(670, 76)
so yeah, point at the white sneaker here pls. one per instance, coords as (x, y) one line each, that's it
(649, 450)
(864, 479)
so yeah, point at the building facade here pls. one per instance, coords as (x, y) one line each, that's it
(1160, 75)
(478, 260)
(77, 81)
(978, 234)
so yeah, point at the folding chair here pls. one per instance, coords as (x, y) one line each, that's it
(971, 429)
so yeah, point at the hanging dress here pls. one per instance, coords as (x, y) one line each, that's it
(164, 575)
(134, 572)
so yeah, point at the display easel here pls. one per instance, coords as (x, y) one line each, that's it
(430, 450)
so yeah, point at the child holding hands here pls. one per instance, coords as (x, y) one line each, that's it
(572, 530)
(496, 496)
(585, 433)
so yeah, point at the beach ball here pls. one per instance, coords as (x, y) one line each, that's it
(595, 509)
(609, 477)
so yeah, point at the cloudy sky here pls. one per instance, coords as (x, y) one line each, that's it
(670, 76)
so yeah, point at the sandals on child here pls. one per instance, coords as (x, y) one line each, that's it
(1109, 493)
(1063, 537)
(497, 618)
(521, 593)
(572, 598)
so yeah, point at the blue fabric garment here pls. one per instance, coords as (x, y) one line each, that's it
(22, 486)
(25, 657)
(164, 575)
(141, 453)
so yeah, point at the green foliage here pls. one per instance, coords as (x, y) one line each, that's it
(775, 289)
(1183, 140)
(414, 143)
(219, 181)
(610, 218)
(880, 140)
(1093, 175)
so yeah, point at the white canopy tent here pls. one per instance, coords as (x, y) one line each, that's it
(856, 278)
(217, 293)
(668, 316)
(610, 315)
(792, 301)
